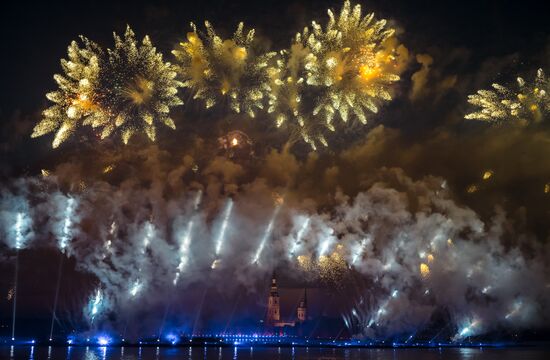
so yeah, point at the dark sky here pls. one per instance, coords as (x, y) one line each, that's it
(36, 34)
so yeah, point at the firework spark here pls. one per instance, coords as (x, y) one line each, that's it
(348, 69)
(266, 235)
(66, 230)
(125, 90)
(75, 101)
(299, 236)
(218, 70)
(225, 221)
(95, 305)
(138, 89)
(528, 103)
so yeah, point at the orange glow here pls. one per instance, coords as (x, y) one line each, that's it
(368, 73)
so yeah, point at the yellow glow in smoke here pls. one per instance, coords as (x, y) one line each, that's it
(108, 169)
(488, 174)
(368, 73)
(424, 270)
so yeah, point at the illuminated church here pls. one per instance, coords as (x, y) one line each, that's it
(273, 320)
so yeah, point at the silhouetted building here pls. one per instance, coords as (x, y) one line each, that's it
(273, 305)
(301, 312)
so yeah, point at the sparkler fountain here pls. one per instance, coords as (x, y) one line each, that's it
(299, 236)
(267, 233)
(19, 230)
(66, 235)
(221, 236)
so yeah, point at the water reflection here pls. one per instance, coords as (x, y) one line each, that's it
(261, 353)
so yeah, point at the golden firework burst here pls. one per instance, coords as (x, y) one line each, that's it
(528, 103)
(218, 70)
(125, 90)
(342, 71)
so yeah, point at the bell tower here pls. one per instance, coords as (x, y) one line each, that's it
(273, 306)
(301, 312)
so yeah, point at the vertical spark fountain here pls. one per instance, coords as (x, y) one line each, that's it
(66, 236)
(15, 294)
(19, 238)
(299, 237)
(221, 235)
(186, 241)
(266, 235)
(94, 305)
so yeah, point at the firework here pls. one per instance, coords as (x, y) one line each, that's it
(299, 236)
(95, 305)
(75, 101)
(528, 103)
(266, 234)
(467, 330)
(424, 270)
(135, 288)
(218, 70)
(126, 90)
(67, 228)
(225, 221)
(344, 70)
(138, 89)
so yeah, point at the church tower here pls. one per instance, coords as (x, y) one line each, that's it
(301, 312)
(273, 307)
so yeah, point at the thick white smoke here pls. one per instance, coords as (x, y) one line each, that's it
(416, 251)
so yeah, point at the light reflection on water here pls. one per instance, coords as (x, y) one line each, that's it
(261, 353)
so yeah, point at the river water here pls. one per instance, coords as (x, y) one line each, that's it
(265, 353)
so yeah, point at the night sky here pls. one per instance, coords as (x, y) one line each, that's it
(387, 168)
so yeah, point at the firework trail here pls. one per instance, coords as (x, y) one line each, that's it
(66, 229)
(184, 251)
(95, 305)
(299, 236)
(138, 284)
(266, 235)
(221, 234)
(64, 238)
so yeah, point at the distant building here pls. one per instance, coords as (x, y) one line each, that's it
(273, 304)
(301, 312)
(273, 320)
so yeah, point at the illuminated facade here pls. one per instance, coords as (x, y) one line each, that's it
(273, 318)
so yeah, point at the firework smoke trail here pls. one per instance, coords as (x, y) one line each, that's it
(15, 294)
(58, 285)
(94, 306)
(66, 231)
(266, 236)
(184, 251)
(138, 285)
(383, 309)
(299, 237)
(66, 236)
(467, 330)
(221, 235)
(186, 241)
(19, 238)
(360, 250)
